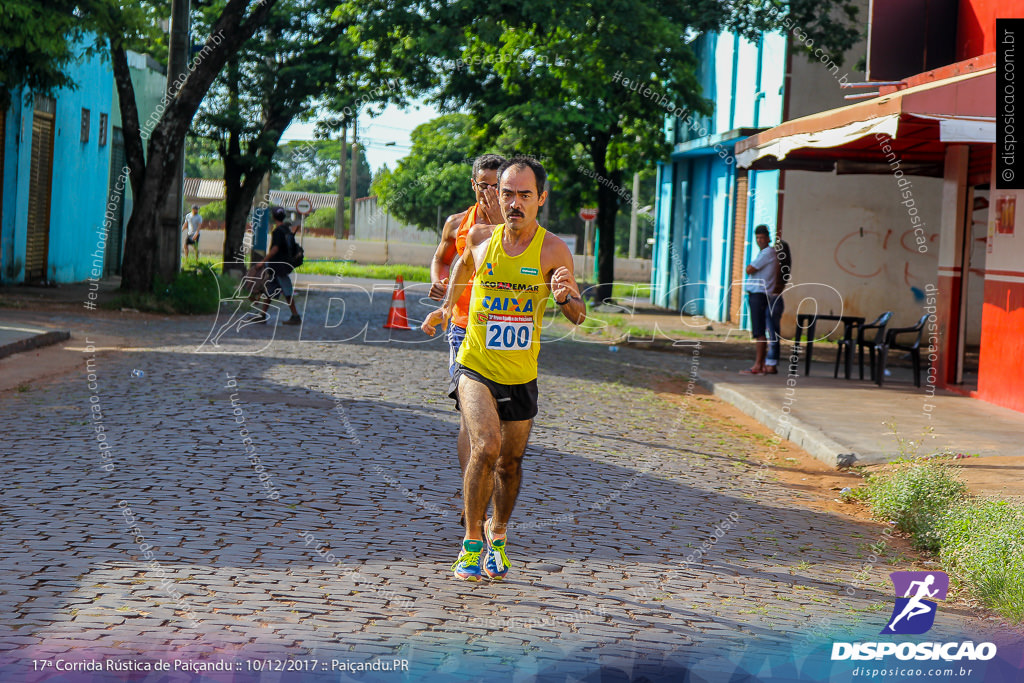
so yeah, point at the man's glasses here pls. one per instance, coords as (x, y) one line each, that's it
(483, 187)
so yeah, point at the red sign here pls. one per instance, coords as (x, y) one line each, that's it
(304, 206)
(588, 214)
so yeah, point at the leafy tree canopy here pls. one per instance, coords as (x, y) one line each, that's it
(548, 74)
(436, 172)
(312, 166)
(39, 41)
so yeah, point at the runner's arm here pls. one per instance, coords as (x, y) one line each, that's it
(440, 266)
(462, 270)
(562, 283)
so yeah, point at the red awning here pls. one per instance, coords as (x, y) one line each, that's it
(916, 123)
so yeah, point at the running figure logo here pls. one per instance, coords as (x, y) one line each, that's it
(914, 613)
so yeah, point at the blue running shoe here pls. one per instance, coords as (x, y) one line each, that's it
(496, 562)
(467, 567)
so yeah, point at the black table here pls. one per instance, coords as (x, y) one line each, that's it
(805, 323)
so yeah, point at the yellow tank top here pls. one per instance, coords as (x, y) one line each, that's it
(505, 312)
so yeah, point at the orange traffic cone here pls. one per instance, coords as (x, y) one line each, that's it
(396, 315)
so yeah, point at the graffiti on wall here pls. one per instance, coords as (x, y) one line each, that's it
(870, 259)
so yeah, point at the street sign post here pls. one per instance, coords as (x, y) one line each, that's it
(588, 215)
(303, 206)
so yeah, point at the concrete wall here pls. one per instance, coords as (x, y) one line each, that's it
(373, 223)
(696, 203)
(854, 247)
(362, 251)
(853, 232)
(81, 173)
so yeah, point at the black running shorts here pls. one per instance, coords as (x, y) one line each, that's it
(516, 402)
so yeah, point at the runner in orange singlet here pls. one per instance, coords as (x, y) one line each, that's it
(453, 243)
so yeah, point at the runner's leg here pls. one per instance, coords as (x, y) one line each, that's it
(462, 446)
(508, 473)
(483, 432)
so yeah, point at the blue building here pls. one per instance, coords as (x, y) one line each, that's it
(706, 208)
(54, 172)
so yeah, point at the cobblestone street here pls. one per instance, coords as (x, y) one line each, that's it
(333, 540)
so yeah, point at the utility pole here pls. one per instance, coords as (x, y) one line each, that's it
(340, 224)
(633, 217)
(352, 180)
(169, 235)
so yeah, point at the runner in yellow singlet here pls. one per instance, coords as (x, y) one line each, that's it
(453, 242)
(517, 265)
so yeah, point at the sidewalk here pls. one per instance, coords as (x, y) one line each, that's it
(842, 422)
(16, 337)
(845, 422)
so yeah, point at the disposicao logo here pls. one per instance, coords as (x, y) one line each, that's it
(914, 614)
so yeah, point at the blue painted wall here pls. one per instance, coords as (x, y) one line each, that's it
(10, 264)
(696, 198)
(80, 175)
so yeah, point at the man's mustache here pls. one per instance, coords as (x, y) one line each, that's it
(516, 213)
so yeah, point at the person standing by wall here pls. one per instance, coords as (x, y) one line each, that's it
(760, 280)
(776, 305)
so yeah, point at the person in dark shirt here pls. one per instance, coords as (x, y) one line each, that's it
(282, 246)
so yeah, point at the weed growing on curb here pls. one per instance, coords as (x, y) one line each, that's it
(916, 499)
(982, 548)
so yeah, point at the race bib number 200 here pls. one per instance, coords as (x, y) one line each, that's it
(509, 332)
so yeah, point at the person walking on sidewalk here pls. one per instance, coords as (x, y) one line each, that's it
(282, 249)
(760, 280)
(518, 265)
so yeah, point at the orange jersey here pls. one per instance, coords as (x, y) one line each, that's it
(460, 313)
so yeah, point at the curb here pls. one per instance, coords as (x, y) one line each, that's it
(811, 439)
(34, 342)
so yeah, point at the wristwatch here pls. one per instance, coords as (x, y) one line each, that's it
(567, 300)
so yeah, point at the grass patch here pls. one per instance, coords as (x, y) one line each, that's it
(916, 498)
(979, 541)
(629, 290)
(374, 272)
(982, 546)
(196, 291)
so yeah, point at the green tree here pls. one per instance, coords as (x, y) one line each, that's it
(548, 75)
(312, 166)
(436, 172)
(214, 211)
(272, 79)
(151, 245)
(305, 57)
(40, 40)
(202, 160)
(322, 218)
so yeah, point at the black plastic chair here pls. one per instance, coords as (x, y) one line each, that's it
(878, 324)
(914, 348)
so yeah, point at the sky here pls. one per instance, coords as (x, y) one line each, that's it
(393, 125)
